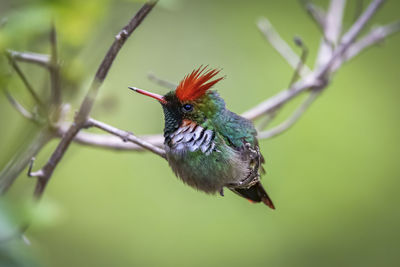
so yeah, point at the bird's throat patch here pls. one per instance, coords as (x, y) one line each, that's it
(192, 137)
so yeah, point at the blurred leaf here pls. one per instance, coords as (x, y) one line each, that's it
(74, 21)
(13, 251)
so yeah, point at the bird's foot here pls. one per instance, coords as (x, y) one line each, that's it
(246, 183)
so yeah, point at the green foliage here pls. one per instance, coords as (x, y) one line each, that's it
(74, 21)
(13, 251)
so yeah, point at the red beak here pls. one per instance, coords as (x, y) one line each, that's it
(153, 95)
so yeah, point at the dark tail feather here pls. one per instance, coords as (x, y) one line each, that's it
(256, 193)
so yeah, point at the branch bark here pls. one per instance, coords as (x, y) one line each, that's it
(25, 81)
(292, 119)
(54, 69)
(355, 30)
(115, 143)
(375, 36)
(164, 83)
(22, 159)
(282, 97)
(126, 136)
(81, 118)
(331, 31)
(25, 113)
(317, 14)
(319, 78)
(281, 46)
(30, 57)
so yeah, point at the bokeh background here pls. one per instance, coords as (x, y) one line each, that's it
(334, 176)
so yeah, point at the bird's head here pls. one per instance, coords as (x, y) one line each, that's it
(191, 100)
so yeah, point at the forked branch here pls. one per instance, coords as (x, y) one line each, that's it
(335, 49)
(81, 118)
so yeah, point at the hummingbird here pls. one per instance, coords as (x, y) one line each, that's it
(208, 146)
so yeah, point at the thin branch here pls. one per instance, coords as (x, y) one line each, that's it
(317, 14)
(302, 62)
(318, 78)
(280, 45)
(375, 36)
(81, 118)
(116, 143)
(358, 10)
(126, 136)
(355, 30)
(30, 167)
(54, 70)
(334, 17)
(22, 159)
(30, 57)
(269, 117)
(164, 83)
(24, 80)
(110, 141)
(292, 119)
(106, 64)
(331, 32)
(282, 97)
(349, 37)
(18, 106)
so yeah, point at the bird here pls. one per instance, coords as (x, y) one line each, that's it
(208, 146)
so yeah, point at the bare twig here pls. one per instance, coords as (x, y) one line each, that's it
(30, 167)
(358, 9)
(22, 159)
(280, 45)
(164, 83)
(269, 117)
(282, 97)
(355, 30)
(375, 36)
(292, 119)
(29, 57)
(82, 116)
(294, 61)
(303, 58)
(317, 14)
(126, 136)
(331, 32)
(349, 37)
(24, 80)
(54, 71)
(318, 78)
(333, 25)
(116, 143)
(18, 106)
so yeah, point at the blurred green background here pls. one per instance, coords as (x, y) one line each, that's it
(334, 176)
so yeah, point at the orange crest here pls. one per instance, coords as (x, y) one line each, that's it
(195, 84)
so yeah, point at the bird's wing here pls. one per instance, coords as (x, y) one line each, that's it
(240, 134)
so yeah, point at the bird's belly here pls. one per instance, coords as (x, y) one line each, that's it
(208, 172)
(202, 159)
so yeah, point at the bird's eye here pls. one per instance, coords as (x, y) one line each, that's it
(187, 108)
